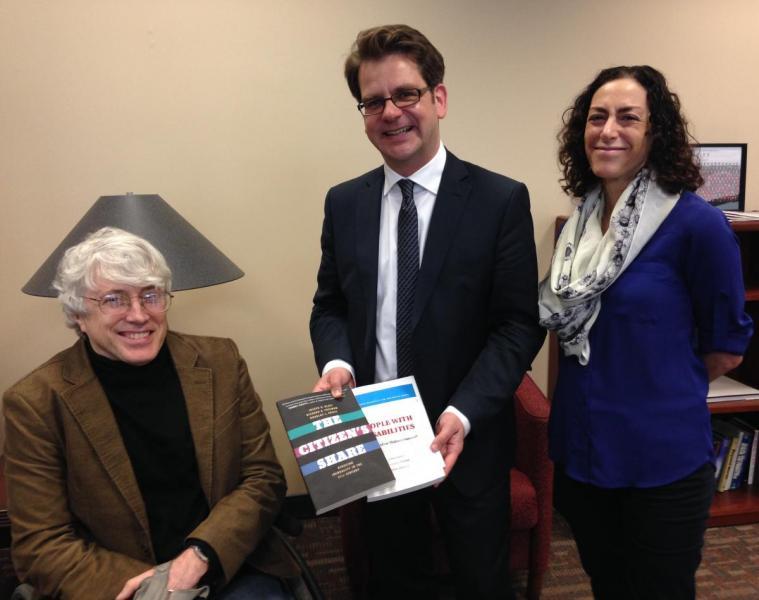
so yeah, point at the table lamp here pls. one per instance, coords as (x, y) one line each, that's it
(194, 261)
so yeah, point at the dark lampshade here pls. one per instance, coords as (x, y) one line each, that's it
(194, 261)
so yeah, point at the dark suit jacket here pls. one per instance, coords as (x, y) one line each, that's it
(475, 312)
(78, 521)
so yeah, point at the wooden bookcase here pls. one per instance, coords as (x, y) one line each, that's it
(740, 506)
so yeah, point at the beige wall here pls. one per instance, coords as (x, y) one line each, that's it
(236, 113)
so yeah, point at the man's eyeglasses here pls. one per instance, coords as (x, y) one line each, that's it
(119, 303)
(401, 98)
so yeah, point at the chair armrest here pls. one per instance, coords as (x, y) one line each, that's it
(531, 410)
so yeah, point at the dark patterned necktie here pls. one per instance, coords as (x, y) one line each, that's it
(408, 268)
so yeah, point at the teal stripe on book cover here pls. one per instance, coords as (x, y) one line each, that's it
(297, 432)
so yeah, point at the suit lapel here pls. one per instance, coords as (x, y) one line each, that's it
(452, 197)
(367, 228)
(197, 387)
(89, 405)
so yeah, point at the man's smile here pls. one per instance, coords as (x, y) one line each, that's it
(398, 131)
(135, 335)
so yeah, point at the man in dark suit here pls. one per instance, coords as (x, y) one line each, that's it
(462, 319)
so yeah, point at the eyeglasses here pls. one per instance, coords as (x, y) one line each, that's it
(119, 303)
(401, 98)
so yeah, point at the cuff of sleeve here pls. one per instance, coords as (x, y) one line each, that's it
(730, 344)
(462, 418)
(214, 572)
(333, 364)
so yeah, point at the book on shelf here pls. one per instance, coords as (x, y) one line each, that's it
(399, 420)
(725, 389)
(721, 446)
(732, 433)
(735, 466)
(741, 458)
(337, 453)
(750, 422)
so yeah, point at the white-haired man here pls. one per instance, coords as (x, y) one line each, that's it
(138, 445)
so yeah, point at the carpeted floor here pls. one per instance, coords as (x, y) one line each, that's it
(730, 569)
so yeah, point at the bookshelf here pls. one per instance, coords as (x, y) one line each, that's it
(741, 506)
(736, 406)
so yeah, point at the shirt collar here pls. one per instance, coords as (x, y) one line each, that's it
(428, 176)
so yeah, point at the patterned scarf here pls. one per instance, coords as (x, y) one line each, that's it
(586, 261)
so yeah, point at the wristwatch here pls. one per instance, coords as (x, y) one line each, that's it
(199, 553)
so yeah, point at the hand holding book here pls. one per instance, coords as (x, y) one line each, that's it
(397, 416)
(449, 439)
(334, 381)
(337, 453)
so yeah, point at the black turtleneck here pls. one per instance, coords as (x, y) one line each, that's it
(150, 410)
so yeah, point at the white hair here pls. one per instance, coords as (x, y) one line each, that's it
(111, 254)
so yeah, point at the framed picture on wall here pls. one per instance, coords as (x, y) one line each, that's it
(723, 167)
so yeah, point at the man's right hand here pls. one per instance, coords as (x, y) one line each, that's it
(335, 380)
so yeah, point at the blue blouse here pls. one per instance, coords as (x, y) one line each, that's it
(636, 414)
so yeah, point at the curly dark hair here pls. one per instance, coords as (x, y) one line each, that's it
(671, 157)
(378, 42)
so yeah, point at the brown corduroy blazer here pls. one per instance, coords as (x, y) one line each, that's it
(79, 524)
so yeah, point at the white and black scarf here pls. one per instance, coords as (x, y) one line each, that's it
(586, 261)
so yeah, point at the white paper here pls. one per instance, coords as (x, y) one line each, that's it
(397, 417)
(724, 389)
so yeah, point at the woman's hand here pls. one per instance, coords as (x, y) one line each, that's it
(719, 363)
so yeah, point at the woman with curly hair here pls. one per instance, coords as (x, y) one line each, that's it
(646, 296)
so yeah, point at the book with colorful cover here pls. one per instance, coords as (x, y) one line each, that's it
(337, 453)
(399, 420)
(735, 436)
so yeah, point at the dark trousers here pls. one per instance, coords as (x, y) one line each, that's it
(639, 543)
(405, 552)
(250, 583)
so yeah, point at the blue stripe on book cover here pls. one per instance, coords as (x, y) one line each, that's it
(320, 464)
(398, 392)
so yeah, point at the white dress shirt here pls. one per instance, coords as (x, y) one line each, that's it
(426, 183)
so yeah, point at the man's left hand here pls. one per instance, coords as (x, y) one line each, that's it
(186, 570)
(130, 587)
(449, 439)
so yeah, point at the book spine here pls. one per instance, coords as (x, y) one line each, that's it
(753, 459)
(727, 469)
(721, 446)
(740, 462)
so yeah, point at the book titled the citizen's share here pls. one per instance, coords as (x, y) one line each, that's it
(373, 442)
